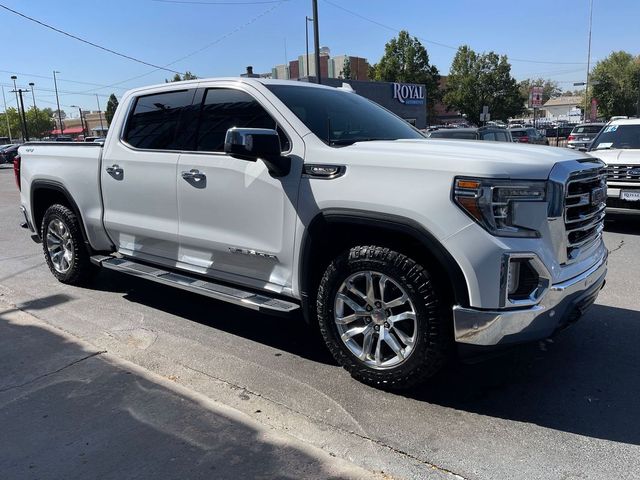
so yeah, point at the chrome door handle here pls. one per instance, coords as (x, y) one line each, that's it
(114, 170)
(193, 174)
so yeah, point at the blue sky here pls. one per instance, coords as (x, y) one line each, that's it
(221, 40)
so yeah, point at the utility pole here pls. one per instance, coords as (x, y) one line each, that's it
(316, 39)
(24, 117)
(100, 117)
(55, 83)
(6, 115)
(586, 88)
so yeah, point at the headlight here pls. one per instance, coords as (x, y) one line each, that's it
(491, 202)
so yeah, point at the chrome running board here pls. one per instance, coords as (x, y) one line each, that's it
(260, 302)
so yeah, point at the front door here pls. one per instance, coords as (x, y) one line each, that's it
(236, 221)
(138, 178)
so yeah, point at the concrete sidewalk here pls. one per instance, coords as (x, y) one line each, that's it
(70, 411)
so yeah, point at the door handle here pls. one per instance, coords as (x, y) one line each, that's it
(114, 170)
(194, 175)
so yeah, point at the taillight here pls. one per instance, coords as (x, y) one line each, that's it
(523, 139)
(16, 170)
(571, 137)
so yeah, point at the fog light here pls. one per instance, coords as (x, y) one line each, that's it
(525, 279)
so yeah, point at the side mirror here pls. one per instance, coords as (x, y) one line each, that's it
(252, 144)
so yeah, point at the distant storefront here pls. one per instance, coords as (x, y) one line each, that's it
(407, 100)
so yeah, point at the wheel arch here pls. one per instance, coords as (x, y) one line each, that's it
(45, 193)
(318, 247)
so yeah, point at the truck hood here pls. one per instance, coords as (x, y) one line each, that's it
(618, 157)
(468, 157)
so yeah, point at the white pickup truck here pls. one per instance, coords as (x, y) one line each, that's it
(289, 197)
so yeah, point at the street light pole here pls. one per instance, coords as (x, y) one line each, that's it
(100, 116)
(81, 120)
(6, 115)
(33, 95)
(586, 88)
(15, 90)
(306, 37)
(24, 118)
(316, 39)
(55, 83)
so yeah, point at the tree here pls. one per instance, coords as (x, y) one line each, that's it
(406, 60)
(550, 88)
(616, 84)
(346, 69)
(476, 80)
(39, 122)
(110, 111)
(179, 78)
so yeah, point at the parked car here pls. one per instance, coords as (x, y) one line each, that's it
(91, 139)
(528, 135)
(583, 134)
(8, 154)
(63, 138)
(561, 131)
(495, 134)
(618, 145)
(289, 197)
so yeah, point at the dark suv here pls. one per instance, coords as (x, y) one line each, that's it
(494, 134)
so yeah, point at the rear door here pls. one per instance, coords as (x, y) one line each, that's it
(138, 177)
(237, 221)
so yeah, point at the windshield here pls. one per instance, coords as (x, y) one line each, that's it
(587, 129)
(454, 134)
(342, 118)
(618, 136)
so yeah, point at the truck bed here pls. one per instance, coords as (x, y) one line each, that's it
(73, 168)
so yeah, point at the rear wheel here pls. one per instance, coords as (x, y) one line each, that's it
(63, 245)
(382, 318)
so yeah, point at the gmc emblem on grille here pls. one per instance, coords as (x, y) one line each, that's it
(598, 195)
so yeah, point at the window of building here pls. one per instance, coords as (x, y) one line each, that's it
(153, 123)
(224, 108)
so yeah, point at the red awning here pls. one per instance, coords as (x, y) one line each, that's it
(67, 131)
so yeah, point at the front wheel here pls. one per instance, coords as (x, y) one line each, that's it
(382, 318)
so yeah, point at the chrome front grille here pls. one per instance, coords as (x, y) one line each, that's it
(623, 173)
(585, 204)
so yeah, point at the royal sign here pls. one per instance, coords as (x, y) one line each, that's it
(408, 94)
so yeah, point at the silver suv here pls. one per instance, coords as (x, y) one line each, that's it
(583, 134)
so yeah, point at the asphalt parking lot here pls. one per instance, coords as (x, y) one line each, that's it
(566, 409)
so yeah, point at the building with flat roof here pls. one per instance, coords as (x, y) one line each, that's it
(330, 67)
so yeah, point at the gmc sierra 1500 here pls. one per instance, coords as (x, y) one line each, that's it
(285, 196)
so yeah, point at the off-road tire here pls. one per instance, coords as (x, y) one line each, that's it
(81, 269)
(434, 341)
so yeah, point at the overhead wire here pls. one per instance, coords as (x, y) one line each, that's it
(75, 37)
(433, 42)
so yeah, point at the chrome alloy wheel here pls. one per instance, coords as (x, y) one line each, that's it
(59, 245)
(376, 320)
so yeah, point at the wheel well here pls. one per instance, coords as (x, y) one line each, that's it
(42, 197)
(329, 236)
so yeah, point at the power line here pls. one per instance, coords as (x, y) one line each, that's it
(189, 2)
(75, 37)
(444, 45)
(207, 46)
(34, 75)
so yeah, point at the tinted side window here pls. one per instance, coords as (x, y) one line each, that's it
(153, 123)
(490, 136)
(501, 137)
(224, 108)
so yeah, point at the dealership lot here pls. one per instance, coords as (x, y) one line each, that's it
(562, 409)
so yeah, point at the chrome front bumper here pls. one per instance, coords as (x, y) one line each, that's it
(563, 303)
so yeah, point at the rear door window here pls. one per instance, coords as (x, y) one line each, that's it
(154, 121)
